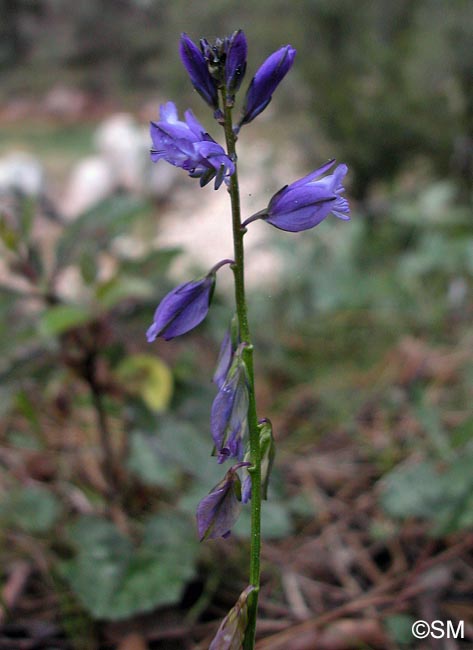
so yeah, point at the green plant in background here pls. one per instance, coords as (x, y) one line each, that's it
(71, 383)
(216, 71)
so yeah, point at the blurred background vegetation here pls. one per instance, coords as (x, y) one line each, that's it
(363, 330)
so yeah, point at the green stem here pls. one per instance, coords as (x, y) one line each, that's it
(242, 314)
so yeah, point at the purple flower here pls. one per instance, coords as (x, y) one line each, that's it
(235, 62)
(189, 146)
(198, 71)
(265, 82)
(219, 510)
(184, 307)
(229, 414)
(231, 632)
(307, 202)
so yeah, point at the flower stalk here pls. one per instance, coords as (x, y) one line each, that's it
(242, 314)
(216, 71)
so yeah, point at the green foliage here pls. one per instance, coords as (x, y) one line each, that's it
(57, 320)
(399, 627)
(440, 494)
(60, 350)
(94, 230)
(31, 509)
(115, 579)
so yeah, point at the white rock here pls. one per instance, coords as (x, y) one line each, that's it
(121, 143)
(125, 145)
(91, 181)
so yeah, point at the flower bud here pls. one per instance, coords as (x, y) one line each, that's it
(265, 82)
(235, 62)
(197, 69)
(268, 452)
(184, 307)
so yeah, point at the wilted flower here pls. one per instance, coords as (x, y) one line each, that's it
(184, 307)
(228, 347)
(229, 414)
(305, 203)
(232, 629)
(219, 510)
(198, 71)
(189, 146)
(265, 82)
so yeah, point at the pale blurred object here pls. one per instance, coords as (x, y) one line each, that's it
(125, 146)
(65, 103)
(21, 172)
(91, 181)
(120, 142)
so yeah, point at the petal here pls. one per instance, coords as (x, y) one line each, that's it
(194, 125)
(224, 360)
(341, 209)
(221, 412)
(168, 112)
(297, 198)
(301, 219)
(338, 175)
(219, 510)
(313, 175)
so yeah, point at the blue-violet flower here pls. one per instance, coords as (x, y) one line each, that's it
(189, 146)
(265, 82)
(184, 307)
(235, 62)
(307, 202)
(198, 71)
(219, 510)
